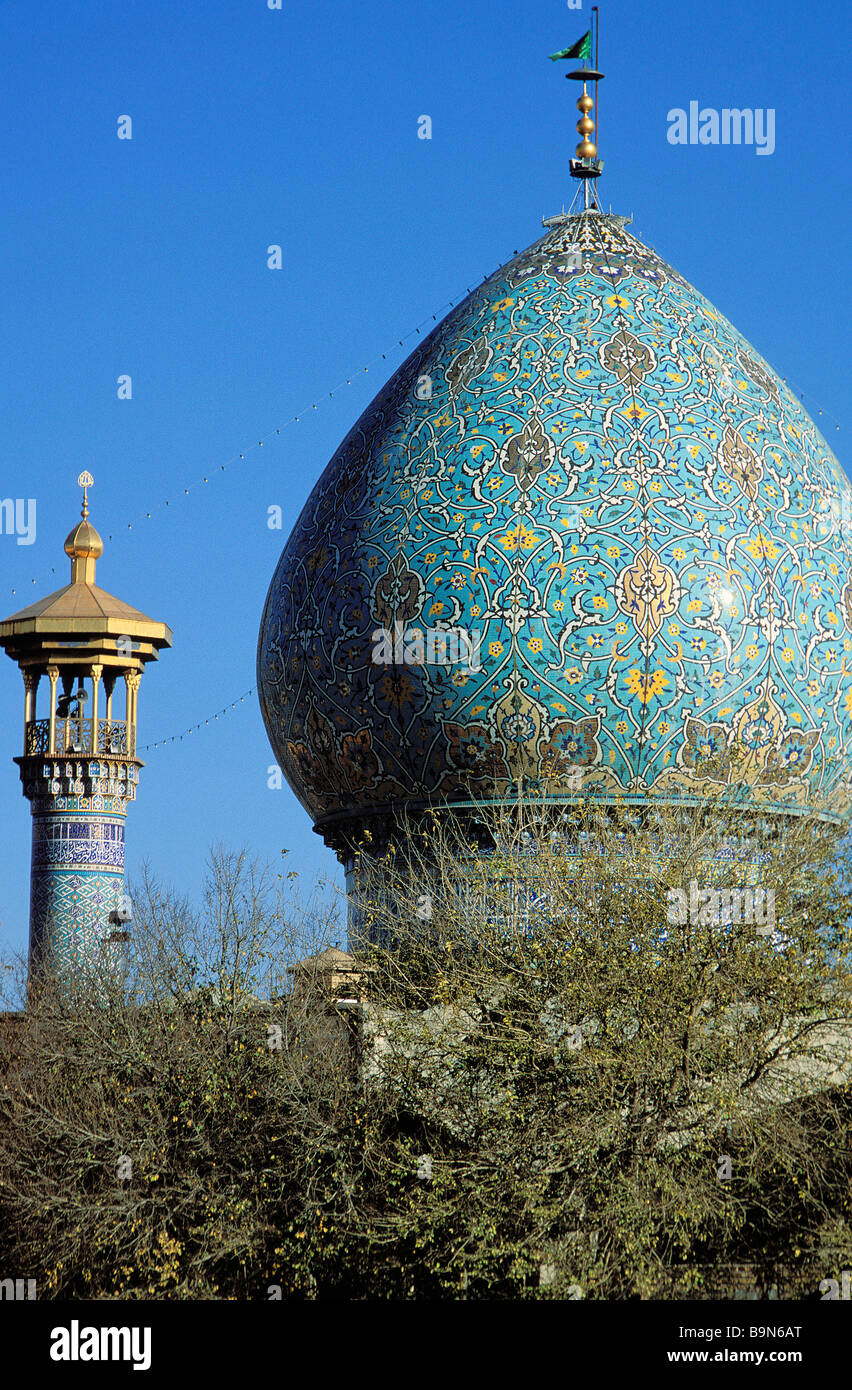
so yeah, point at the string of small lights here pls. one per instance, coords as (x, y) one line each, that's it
(194, 728)
(241, 456)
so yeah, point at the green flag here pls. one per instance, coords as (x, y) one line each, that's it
(582, 49)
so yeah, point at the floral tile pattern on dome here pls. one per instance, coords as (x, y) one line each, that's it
(589, 465)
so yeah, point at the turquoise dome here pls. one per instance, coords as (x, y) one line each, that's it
(634, 540)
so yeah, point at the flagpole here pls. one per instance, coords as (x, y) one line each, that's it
(586, 164)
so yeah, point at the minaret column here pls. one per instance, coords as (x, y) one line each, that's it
(132, 680)
(53, 677)
(96, 673)
(31, 679)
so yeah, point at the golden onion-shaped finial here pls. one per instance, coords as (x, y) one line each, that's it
(83, 542)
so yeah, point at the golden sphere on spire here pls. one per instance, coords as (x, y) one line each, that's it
(586, 150)
(585, 102)
(585, 125)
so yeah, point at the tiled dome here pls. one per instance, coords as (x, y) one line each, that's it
(589, 465)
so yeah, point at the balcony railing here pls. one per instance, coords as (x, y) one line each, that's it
(74, 736)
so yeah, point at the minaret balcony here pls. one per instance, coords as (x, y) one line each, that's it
(75, 736)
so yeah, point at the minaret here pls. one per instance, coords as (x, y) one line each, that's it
(81, 653)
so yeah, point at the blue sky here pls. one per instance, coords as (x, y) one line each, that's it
(298, 127)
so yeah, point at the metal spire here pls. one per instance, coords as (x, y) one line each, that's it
(85, 481)
(586, 164)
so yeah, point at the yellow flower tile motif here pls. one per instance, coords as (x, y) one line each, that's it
(646, 686)
(762, 547)
(519, 538)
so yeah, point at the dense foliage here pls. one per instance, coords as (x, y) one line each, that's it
(554, 1089)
